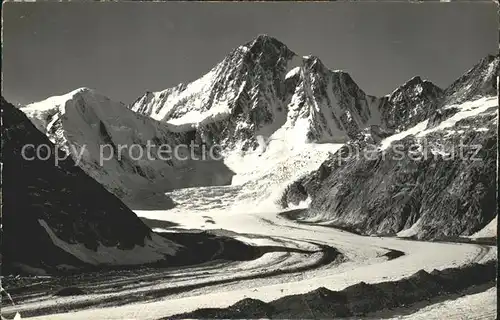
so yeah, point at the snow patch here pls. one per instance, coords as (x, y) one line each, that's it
(53, 101)
(419, 89)
(413, 230)
(301, 205)
(154, 249)
(489, 231)
(195, 118)
(466, 110)
(384, 144)
(292, 72)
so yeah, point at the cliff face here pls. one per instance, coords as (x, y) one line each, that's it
(479, 81)
(434, 179)
(56, 217)
(411, 103)
(259, 88)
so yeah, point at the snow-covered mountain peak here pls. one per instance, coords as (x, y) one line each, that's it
(64, 100)
(262, 86)
(411, 83)
(411, 102)
(412, 80)
(45, 113)
(311, 60)
(480, 80)
(84, 90)
(90, 126)
(415, 86)
(255, 90)
(264, 40)
(222, 82)
(59, 100)
(263, 50)
(314, 63)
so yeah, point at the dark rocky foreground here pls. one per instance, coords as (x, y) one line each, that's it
(357, 300)
(200, 249)
(38, 195)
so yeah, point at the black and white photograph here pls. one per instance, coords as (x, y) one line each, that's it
(249, 160)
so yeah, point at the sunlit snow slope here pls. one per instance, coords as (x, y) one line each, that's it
(110, 143)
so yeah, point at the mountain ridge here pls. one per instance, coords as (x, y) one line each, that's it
(443, 193)
(71, 217)
(256, 83)
(93, 128)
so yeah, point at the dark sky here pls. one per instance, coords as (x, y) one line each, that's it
(124, 49)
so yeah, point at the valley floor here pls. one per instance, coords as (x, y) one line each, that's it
(272, 275)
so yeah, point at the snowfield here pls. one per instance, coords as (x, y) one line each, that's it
(154, 249)
(465, 110)
(490, 230)
(365, 264)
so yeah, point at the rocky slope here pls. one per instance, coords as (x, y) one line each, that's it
(359, 300)
(436, 179)
(93, 128)
(259, 88)
(479, 81)
(56, 217)
(411, 103)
